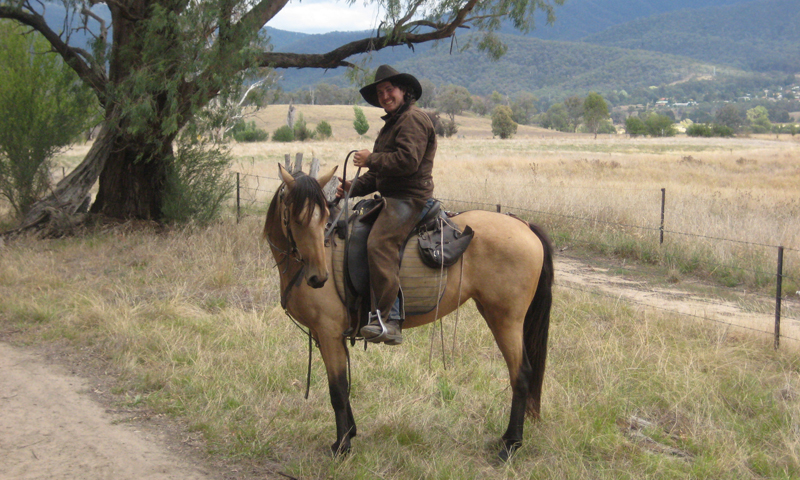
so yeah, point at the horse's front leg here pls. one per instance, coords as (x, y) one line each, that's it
(334, 354)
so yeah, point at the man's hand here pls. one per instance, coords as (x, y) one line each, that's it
(343, 187)
(360, 158)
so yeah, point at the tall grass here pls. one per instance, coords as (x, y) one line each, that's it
(190, 322)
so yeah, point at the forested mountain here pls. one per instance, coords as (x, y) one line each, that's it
(579, 18)
(760, 36)
(640, 46)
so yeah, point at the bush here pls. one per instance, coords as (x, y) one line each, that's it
(324, 130)
(283, 134)
(720, 130)
(503, 125)
(634, 126)
(301, 130)
(449, 127)
(244, 132)
(360, 123)
(699, 130)
(660, 126)
(198, 181)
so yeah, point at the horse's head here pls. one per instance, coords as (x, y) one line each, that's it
(302, 211)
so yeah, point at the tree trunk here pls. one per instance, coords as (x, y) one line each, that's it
(71, 191)
(133, 180)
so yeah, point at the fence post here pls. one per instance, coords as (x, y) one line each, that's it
(661, 229)
(298, 162)
(238, 201)
(778, 294)
(287, 162)
(314, 170)
(498, 208)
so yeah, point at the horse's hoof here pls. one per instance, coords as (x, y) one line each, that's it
(339, 450)
(508, 451)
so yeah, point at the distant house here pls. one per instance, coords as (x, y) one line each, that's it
(662, 102)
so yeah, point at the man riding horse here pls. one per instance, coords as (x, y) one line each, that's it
(401, 170)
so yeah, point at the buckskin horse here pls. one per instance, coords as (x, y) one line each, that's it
(507, 270)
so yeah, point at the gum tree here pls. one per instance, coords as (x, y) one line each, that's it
(164, 61)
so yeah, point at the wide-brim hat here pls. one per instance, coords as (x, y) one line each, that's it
(386, 73)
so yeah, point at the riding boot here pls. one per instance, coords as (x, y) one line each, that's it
(380, 331)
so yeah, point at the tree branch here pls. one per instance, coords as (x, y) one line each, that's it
(90, 73)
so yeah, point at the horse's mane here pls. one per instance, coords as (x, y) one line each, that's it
(306, 189)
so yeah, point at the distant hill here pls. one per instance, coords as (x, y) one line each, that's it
(639, 45)
(579, 18)
(760, 36)
(548, 68)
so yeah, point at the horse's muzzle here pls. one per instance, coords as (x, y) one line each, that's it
(316, 281)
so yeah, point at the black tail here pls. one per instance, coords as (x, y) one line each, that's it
(537, 325)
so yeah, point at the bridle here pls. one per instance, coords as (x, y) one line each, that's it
(291, 253)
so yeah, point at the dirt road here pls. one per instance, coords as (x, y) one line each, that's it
(51, 427)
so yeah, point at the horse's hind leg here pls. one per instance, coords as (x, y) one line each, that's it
(506, 325)
(334, 354)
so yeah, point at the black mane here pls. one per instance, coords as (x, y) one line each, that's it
(306, 189)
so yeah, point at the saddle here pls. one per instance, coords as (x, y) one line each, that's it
(435, 244)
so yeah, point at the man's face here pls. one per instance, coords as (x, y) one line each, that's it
(389, 96)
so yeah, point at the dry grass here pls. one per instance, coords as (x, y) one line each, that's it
(189, 320)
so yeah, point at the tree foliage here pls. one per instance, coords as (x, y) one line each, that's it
(503, 124)
(595, 110)
(360, 123)
(453, 100)
(556, 118)
(43, 107)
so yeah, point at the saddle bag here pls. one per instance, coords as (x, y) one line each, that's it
(442, 245)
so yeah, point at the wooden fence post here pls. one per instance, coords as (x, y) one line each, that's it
(661, 229)
(298, 163)
(778, 295)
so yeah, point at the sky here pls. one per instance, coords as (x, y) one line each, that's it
(320, 16)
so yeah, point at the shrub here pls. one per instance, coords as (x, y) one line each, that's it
(449, 127)
(283, 134)
(301, 130)
(360, 123)
(720, 130)
(699, 130)
(244, 132)
(634, 126)
(198, 181)
(324, 130)
(660, 126)
(503, 125)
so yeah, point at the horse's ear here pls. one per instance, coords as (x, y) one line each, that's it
(287, 177)
(324, 179)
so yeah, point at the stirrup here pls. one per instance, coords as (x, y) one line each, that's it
(384, 330)
(383, 336)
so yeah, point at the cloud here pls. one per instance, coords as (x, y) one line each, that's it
(322, 16)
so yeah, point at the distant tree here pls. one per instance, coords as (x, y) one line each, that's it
(729, 116)
(759, 119)
(634, 126)
(556, 118)
(360, 123)
(479, 105)
(524, 107)
(283, 134)
(574, 108)
(659, 126)
(428, 98)
(324, 130)
(595, 110)
(503, 125)
(453, 100)
(301, 130)
(43, 108)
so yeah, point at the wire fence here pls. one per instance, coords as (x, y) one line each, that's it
(253, 194)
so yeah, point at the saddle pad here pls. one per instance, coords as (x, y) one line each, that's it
(422, 285)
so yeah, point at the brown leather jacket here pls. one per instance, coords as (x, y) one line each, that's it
(401, 163)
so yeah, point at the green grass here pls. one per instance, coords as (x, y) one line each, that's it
(221, 358)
